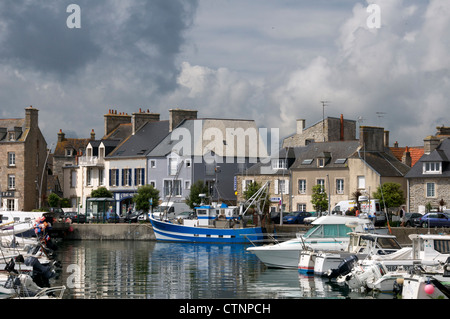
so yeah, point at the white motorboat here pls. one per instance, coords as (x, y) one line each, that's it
(328, 233)
(427, 285)
(381, 271)
(361, 245)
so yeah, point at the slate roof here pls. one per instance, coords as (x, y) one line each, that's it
(260, 168)
(440, 154)
(338, 151)
(142, 142)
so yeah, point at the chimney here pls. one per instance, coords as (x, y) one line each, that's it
(386, 138)
(300, 126)
(139, 119)
(113, 120)
(406, 158)
(92, 135)
(371, 138)
(178, 115)
(61, 136)
(342, 127)
(430, 143)
(31, 117)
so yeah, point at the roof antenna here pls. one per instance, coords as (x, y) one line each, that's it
(324, 103)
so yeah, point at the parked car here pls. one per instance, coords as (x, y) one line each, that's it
(75, 217)
(412, 218)
(185, 215)
(133, 217)
(310, 219)
(275, 216)
(434, 219)
(295, 217)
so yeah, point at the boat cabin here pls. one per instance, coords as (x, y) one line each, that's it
(430, 247)
(206, 214)
(372, 243)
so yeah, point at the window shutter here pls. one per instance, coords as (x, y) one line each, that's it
(110, 177)
(275, 185)
(135, 176)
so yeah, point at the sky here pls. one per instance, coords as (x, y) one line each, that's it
(264, 60)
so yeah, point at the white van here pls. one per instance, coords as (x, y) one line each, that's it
(371, 208)
(172, 209)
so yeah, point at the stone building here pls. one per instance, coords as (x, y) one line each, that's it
(327, 130)
(429, 179)
(23, 157)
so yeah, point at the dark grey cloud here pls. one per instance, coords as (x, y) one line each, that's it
(140, 35)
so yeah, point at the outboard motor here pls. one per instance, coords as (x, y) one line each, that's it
(344, 267)
(447, 267)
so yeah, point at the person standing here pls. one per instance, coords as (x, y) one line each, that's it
(402, 216)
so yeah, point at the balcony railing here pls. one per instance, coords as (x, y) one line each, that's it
(90, 161)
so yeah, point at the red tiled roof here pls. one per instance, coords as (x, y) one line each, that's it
(415, 151)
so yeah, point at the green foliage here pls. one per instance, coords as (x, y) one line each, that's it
(252, 188)
(392, 195)
(53, 200)
(319, 198)
(143, 196)
(193, 199)
(101, 192)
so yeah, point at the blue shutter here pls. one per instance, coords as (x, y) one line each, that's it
(129, 177)
(135, 177)
(117, 177)
(110, 177)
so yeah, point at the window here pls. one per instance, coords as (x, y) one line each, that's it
(73, 179)
(245, 184)
(89, 176)
(188, 163)
(139, 176)
(339, 186)
(431, 191)
(281, 187)
(302, 186)
(126, 177)
(172, 188)
(301, 207)
(320, 162)
(187, 184)
(279, 164)
(11, 182)
(361, 182)
(11, 205)
(11, 159)
(101, 175)
(68, 152)
(153, 183)
(152, 164)
(173, 165)
(321, 182)
(113, 177)
(432, 168)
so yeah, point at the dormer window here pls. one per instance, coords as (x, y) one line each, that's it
(432, 168)
(11, 136)
(69, 152)
(320, 162)
(279, 164)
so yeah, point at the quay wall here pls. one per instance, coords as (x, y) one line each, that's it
(145, 231)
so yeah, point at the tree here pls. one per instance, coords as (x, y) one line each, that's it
(101, 192)
(319, 198)
(145, 195)
(251, 189)
(390, 194)
(53, 200)
(196, 189)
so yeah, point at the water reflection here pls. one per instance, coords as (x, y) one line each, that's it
(110, 269)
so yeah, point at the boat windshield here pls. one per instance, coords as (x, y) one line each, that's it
(327, 231)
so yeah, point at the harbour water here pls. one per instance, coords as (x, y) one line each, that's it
(154, 270)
